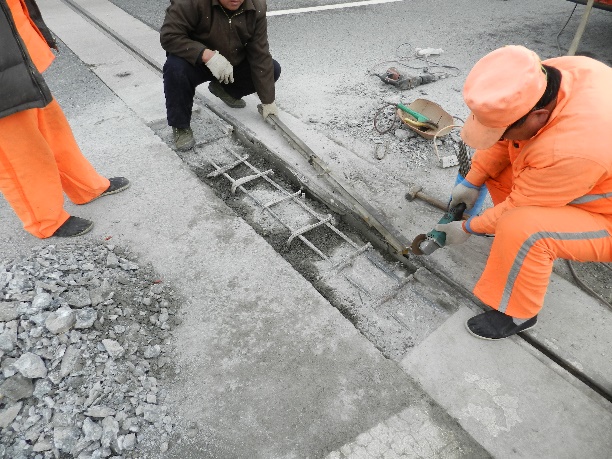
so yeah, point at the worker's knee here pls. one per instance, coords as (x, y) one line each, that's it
(520, 223)
(277, 70)
(174, 64)
(178, 71)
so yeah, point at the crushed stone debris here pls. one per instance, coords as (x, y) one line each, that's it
(80, 357)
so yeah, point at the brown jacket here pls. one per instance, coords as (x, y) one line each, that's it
(191, 26)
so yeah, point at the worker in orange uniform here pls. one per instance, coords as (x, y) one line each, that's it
(543, 138)
(39, 157)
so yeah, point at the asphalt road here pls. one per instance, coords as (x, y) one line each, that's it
(328, 56)
(329, 59)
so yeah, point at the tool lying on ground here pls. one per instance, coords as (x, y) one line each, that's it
(433, 120)
(355, 202)
(416, 192)
(402, 81)
(422, 116)
(426, 244)
(421, 122)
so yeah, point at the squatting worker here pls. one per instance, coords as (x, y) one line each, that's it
(39, 157)
(543, 138)
(221, 41)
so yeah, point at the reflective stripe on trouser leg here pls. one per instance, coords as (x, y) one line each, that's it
(527, 242)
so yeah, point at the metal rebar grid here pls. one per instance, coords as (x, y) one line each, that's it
(322, 221)
(288, 196)
(271, 212)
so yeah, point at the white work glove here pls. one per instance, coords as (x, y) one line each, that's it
(269, 109)
(455, 233)
(464, 192)
(221, 68)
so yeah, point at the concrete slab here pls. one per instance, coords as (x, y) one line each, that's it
(406, 435)
(132, 80)
(509, 401)
(132, 32)
(268, 369)
(336, 385)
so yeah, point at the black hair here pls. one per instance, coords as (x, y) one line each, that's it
(552, 86)
(553, 83)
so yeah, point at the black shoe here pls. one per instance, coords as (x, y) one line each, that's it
(117, 185)
(74, 226)
(216, 89)
(496, 325)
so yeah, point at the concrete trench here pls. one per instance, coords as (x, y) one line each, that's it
(217, 419)
(376, 301)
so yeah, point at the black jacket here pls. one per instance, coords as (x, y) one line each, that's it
(23, 87)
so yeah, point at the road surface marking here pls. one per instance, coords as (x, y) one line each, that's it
(328, 7)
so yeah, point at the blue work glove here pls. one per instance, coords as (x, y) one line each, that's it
(464, 192)
(455, 234)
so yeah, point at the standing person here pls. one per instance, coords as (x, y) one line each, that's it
(543, 139)
(221, 41)
(39, 157)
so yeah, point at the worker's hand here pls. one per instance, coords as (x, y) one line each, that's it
(455, 233)
(464, 192)
(221, 68)
(269, 109)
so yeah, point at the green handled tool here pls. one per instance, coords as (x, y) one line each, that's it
(425, 244)
(421, 120)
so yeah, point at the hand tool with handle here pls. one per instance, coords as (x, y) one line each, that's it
(421, 120)
(426, 244)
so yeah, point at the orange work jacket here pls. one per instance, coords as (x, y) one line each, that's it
(567, 162)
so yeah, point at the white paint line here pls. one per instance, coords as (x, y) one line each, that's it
(329, 7)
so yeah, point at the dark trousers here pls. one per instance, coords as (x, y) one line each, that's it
(181, 79)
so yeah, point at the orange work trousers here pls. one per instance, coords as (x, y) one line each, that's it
(39, 158)
(527, 242)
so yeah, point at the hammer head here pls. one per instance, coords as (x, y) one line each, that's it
(412, 192)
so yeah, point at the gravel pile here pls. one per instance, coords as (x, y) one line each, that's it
(84, 341)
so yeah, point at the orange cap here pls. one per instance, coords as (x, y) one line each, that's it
(502, 87)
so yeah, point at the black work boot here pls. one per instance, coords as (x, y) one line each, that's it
(74, 226)
(496, 325)
(183, 138)
(217, 90)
